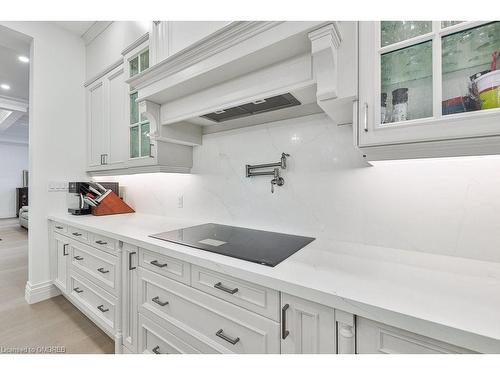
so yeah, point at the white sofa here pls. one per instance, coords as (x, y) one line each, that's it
(23, 216)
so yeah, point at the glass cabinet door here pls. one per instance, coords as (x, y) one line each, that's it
(428, 80)
(471, 81)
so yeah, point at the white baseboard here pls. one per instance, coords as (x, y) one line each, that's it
(39, 292)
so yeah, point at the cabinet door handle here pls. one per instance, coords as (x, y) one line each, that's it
(225, 289)
(284, 331)
(156, 350)
(220, 333)
(365, 116)
(102, 270)
(58, 227)
(78, 290)
(101, 308)
(158, 302)
(99, 242)
(130, 261)
(158, 264)
(78, 257)
(65, 249)
(76, 234)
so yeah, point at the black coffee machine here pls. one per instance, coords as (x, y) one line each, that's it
(83, 195)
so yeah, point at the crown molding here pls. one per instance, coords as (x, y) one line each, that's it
(103, 72)
(223, 39)
(95, 30)
(135, 44)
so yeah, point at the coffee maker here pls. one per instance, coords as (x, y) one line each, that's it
(77, 204)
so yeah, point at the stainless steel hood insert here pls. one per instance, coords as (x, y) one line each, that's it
(260, 106)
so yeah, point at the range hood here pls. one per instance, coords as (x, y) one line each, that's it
(251, 73)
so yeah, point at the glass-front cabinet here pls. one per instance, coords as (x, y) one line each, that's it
(427, 81)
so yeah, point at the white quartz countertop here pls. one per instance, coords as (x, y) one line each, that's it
(429, 294)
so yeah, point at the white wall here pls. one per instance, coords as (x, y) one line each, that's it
(13, 160)
(445, 206)
(57, 130)
(106, 48)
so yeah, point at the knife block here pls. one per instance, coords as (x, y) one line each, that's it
(111, 204)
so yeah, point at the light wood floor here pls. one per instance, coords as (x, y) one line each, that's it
(54, 322)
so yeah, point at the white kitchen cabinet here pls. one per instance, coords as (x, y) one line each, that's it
(170, 37)
(306, 327)
(60, 246)
(107, 121)
(419, 91)
(377, 338)
(129, 297)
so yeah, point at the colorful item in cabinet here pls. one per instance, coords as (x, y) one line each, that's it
(488, 86)
(383, 109)
(454, 105)
(400, 104)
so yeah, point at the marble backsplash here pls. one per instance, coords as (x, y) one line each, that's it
(444, 206)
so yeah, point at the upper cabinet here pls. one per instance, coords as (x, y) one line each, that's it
(428, 88)
(106, 115)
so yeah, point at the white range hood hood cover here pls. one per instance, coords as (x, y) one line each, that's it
(242, 63)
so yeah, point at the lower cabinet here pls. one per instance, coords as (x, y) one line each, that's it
(61, 256)
(129, 297)
(306, 327)
(151, 303)
(378, 338)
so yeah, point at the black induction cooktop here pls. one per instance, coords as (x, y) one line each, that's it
(258, 246)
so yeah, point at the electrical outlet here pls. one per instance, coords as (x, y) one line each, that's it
(180, 201)
(57, 186)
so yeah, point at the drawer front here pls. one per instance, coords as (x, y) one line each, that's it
(94, 302)
(154, 339)
(60, 228)
(253, 297)
(164, 265)
(378, 338)
(231, 327)
(98, 266)
(104, 243)
(78, 234)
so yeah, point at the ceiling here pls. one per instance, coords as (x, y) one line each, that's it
(76, 27)
(16, 74)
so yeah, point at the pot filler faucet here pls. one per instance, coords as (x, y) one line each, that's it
(277, 179)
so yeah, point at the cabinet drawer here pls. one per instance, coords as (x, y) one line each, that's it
(94, 302)
(60, 228)
(98, 266)
(376, 338)
(253, 297)
(164, 265)
(153, 339)
(229, 326)
(103, 243)
(78, 234)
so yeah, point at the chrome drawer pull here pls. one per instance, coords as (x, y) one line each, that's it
(101, 308)
(102, 270)
(284, 331)
(101, 242)
(78, 257)
(158, 302)
(78, 290)
(76, 234)
(130, 261)
(58, 227)
(158, 264)
(228, 339)
(65, 249)
(225, 289)
(156, 350)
